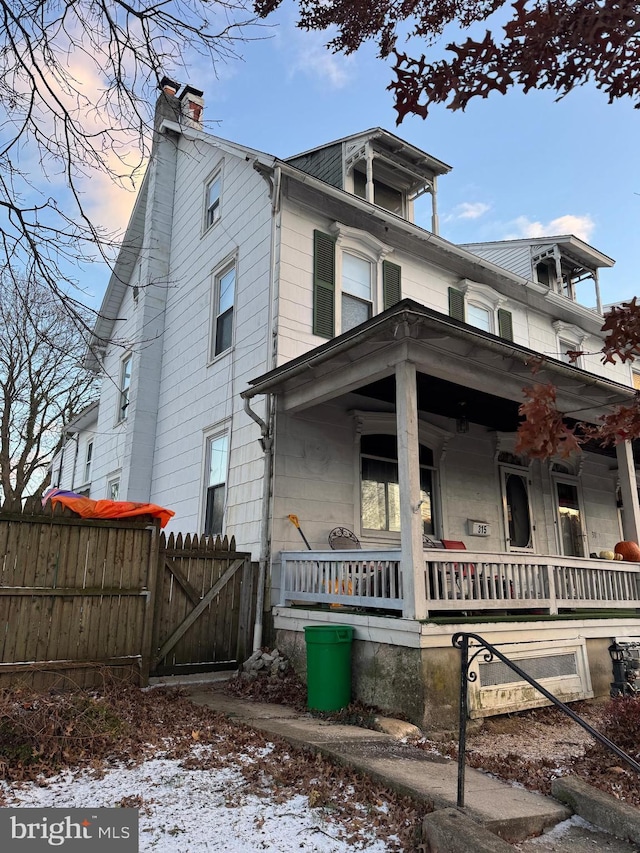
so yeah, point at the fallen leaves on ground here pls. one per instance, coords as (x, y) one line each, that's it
(44, 734)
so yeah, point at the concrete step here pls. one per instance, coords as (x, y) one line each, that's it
(576, 836)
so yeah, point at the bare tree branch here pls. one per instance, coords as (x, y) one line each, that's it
(77, 84)
(42, 383)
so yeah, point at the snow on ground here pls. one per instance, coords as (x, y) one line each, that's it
(197, 810)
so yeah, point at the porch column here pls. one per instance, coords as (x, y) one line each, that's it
(629, 491)
(412, 565)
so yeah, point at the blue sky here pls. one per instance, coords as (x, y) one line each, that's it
(523, 165)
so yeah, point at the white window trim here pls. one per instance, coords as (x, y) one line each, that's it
(483, 297)
(210, 434)
(570, 334)
(88, 461)
(216, 275)
(112, 480)
(570, 479)
(217, 172)
(356, 242)
(120, 417)
(431, 436)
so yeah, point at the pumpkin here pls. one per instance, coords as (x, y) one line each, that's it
(617, 556)
(629, 551)
(607, 555)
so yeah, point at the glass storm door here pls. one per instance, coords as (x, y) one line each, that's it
(517, 509)
(570, 517)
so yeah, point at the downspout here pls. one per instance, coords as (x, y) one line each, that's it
(266, 426)
(267, 445)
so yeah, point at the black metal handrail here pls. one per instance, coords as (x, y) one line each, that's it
(461, 641)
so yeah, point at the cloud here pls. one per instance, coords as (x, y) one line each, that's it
(580, 226)
(316, 61)
(468, 210)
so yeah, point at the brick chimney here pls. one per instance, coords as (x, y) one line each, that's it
(192, 106)
(167, 105)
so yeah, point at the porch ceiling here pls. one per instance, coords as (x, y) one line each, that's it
(455, 362)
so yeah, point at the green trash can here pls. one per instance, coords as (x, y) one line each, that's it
(328, 666)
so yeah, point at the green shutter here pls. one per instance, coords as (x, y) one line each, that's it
(505, 324)
(456, 304)
(391, 278)
(324, 284)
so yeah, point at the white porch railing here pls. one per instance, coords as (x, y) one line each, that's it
(355, 578)
(460, 580)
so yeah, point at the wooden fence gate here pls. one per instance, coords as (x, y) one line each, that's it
(83, 597)
(204, 606)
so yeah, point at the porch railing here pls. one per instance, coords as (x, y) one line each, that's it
(353, 578)
(454, 580)
(460, 580)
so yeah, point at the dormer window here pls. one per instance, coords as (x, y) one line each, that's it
(383, 195)
(568, 273)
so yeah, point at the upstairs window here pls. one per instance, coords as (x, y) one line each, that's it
(481, 306)
(570, 339)
(125, 387)
(223, 298)
(366, 283)
(357, 298)
(212, 212)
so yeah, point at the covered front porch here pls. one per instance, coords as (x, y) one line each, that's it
(403, 430)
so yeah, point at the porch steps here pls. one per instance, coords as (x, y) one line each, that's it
(512, 813)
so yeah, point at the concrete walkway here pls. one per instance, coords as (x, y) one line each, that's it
(512, 813)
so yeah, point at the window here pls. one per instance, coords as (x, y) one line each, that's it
(224, 295)
(482, 307)
(367, 282)
(357, 304)
(635, 379)
(113, 489)
(570, 339)
(479, 317)
(380, 491)
(565, 349)
(216, 484)
(87, 463)
(125, 387)
(212, 213)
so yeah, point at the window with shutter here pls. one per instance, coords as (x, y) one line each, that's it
(391, 284)
(456, 304)
(505, 324)
(324, 284)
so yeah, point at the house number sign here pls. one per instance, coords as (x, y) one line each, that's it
(479, 528)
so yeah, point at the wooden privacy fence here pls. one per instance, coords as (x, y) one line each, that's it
(83, 597)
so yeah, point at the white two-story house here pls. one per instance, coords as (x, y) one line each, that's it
(279, 337)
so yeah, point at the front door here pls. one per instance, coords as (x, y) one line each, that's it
(516, 506)
(570, 517)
